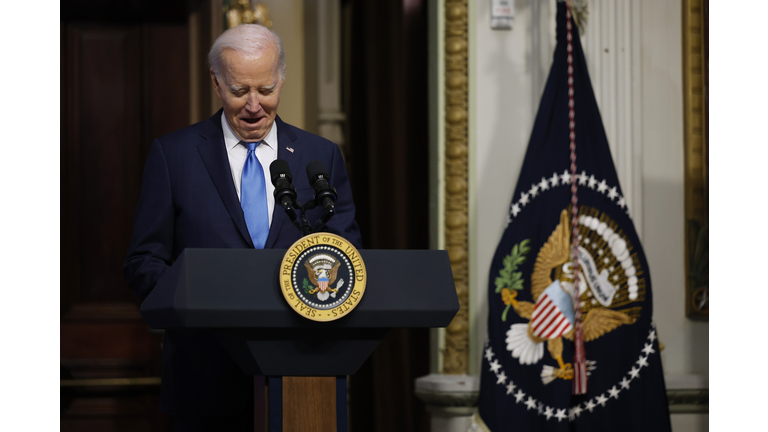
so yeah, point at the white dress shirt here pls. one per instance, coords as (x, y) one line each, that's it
(237, 153)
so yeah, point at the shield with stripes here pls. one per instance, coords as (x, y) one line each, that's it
(322, 283)
(553, 314)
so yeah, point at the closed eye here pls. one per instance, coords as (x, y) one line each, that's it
(266, 90)
(238, 90)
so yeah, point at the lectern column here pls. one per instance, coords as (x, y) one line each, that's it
(307, 404)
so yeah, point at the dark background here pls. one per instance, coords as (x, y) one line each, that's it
(124, 81)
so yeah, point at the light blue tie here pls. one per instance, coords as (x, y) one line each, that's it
(253, 198)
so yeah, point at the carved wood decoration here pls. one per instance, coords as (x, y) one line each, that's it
(456, 356)
(238, 12)
(695, 67)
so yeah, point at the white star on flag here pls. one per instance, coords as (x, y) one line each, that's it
(534, 190)
(530, 403)
(613, 193)
(501, 378)
(565, 177)
(489, 353)
(549, 412)
(602, 187)
(515, 209)
(543, 184)
(590, 405)
(622, 202)
(495, 366)
(510, 387)
(560, 415)
(614, 392)
(592, 182)
(555, 180)
(602, 399)
(523, 198)
(648, 350)
(519, 396)
(634, 372)
(624, 383)
(577, 410)
(652, 335)
(643, 361)
(582, 178)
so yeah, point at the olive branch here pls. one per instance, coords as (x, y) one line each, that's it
(307, 286)
(508, 277)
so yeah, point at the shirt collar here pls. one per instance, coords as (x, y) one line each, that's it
(231, 140)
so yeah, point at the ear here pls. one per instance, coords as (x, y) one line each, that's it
(215, 82)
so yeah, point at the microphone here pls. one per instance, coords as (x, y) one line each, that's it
(325, 194)
(285, 193)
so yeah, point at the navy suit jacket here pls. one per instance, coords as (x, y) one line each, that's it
(188, 200)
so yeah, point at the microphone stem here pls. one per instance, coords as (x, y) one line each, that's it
(306, 228)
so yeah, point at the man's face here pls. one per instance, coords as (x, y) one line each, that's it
(249, 88)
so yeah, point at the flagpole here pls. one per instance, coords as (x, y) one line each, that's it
(579, 361)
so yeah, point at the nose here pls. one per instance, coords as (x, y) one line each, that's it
(252, 103)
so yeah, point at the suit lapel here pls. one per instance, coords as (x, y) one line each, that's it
(285, 139)
(214, 155)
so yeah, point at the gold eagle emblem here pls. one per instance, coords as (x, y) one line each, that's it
(321, 272)
(554, 261)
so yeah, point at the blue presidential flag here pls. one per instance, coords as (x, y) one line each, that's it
(528, 358)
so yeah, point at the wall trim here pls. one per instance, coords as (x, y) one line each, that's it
(456, 354)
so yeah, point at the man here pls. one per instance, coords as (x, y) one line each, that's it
(208, 186)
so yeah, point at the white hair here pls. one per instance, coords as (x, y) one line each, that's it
(249, 40)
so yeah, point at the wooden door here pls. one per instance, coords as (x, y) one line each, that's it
(125, 80)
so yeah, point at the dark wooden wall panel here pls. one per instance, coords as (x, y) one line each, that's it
(168, 91)
(123, 84)
(108, 340)
(108, 161)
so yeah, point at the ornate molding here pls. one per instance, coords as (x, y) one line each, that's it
(688, 401)
(238, 12)
(111, 382)
(696, 165)
(456, 355)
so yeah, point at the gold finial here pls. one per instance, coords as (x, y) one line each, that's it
(580, 12)
(241, 12)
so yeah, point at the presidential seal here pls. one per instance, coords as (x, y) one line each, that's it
(611, 289)
(322, 277)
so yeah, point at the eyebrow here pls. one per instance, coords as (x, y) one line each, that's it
(239, 88)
